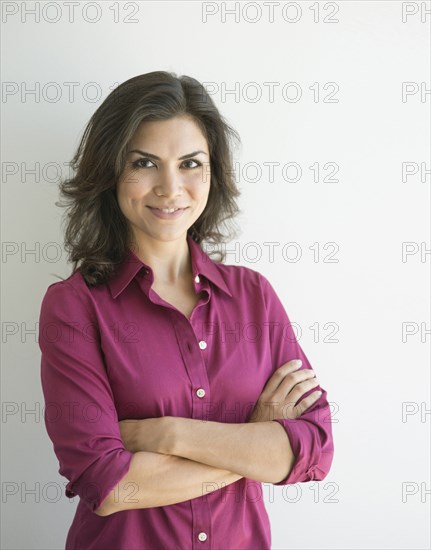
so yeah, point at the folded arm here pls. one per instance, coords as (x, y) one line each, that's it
(260, 451)
(177, 459)
(157, 479)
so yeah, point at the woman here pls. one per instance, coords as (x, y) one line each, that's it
(173, 382)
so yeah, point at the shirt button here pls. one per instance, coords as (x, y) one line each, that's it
(197, 279)
(202, 344)
(202, 536)
(310, 472)
(200, 392)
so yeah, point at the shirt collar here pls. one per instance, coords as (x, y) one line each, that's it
(202, 264)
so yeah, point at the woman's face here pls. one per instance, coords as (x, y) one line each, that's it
(167, 166)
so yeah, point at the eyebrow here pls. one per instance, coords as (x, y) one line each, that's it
(155, 157)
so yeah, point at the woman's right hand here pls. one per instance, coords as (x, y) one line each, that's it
(287, 384)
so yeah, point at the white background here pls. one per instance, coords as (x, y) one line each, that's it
(375, 496)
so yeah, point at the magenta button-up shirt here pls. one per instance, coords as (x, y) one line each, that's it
(120, 351)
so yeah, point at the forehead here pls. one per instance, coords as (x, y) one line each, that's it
(170, 133)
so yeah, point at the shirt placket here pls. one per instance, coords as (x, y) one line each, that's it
(193, 350)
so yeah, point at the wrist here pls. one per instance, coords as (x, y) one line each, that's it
(156, 435)
(169, 436)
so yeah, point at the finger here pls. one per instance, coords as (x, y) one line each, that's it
(279, 374)
(300, 389)
(292, 379)
(291, 366)
(307, 402)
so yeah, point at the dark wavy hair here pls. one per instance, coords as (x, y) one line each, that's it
(97, 233)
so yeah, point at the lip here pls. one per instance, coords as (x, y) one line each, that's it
(161, 207)
(165, 216)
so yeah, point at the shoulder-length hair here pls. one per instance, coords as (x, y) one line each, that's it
(97, 234)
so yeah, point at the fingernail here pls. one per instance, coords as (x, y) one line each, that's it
(297, 363)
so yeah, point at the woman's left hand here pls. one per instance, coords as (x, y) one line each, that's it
(149, 434)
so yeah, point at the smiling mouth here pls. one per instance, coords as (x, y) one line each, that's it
(166, 210)
(168, 213)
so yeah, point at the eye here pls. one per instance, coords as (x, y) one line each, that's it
(192, 160)
(137, 163)
(141, 163)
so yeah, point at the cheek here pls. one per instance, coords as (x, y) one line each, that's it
(199, 195)
(199, 185)
(131, 187)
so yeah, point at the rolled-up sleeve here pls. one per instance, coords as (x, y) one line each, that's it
(310, 434)
(80, 415)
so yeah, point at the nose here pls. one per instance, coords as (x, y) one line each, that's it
(169, 183)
